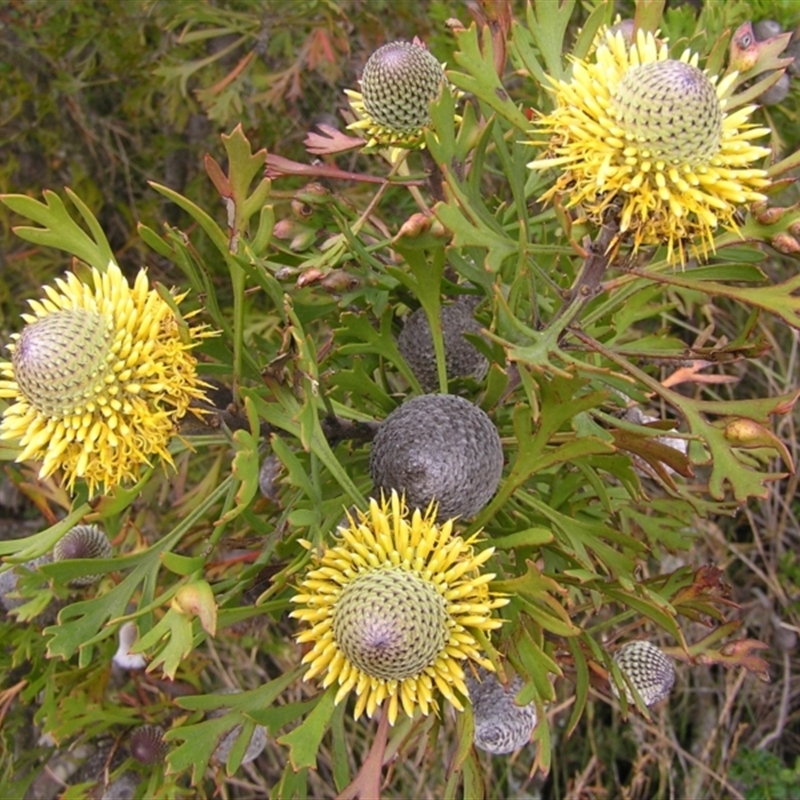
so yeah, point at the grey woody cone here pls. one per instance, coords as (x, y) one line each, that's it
(146, 744)
(462, 358)
(10, 579)
(399, 81)
(501, 726)
(83, 541)
(648, 669)
(256, 745)
(669, 109)
(438, 447)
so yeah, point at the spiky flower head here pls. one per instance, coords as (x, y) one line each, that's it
(399, 81)
(501, 726)
(99, 376)
(649, 671)
(83, 541)
(391, 609)
(638, 131)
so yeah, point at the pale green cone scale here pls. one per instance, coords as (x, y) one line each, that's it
(390, 623)
(400, 79)
(60, 358)
(670, 109)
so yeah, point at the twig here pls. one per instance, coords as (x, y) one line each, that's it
(783, 709)
(367, 784)
(598, 255)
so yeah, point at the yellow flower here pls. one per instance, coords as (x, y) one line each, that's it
(392, 109)
(636, 130)
(99, 376)
(390, 608)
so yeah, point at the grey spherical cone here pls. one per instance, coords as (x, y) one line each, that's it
(438, 447)
(462, 358)
(501, 726)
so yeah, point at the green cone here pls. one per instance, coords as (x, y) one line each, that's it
(400, 79)
(670, 109)
(390, 623)
(60, 359)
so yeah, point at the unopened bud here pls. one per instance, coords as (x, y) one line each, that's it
(786, 244)
(197, 599)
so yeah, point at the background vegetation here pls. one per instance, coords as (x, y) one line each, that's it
(141, 109)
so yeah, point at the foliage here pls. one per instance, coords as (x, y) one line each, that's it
(765, 776)
(306, 264)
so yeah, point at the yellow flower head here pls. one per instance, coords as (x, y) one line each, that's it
(637, 130)
(390, 607)
(392, 109)
(99, 376)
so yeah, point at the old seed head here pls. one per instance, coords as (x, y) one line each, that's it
(146, 744)
(462, 358)
(649, 671)
(83, 541)
(438, 448)
(501, 726)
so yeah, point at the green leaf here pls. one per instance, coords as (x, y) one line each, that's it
(175, 633)
(537, 593)
(530, 537)
(218, 238)
(304, 741)
(245, 469)
(480, 77)
(59, 229)
(358, 336)
(547, 23)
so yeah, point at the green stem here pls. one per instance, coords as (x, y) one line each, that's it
(238, 280)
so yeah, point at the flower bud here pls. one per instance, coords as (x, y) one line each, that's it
(197, 599)
(391, 624)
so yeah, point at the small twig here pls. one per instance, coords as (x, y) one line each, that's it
(334, 428)
(338, 430)
(367, 784)
(435, 177)
(599, 255)
(783, 709)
